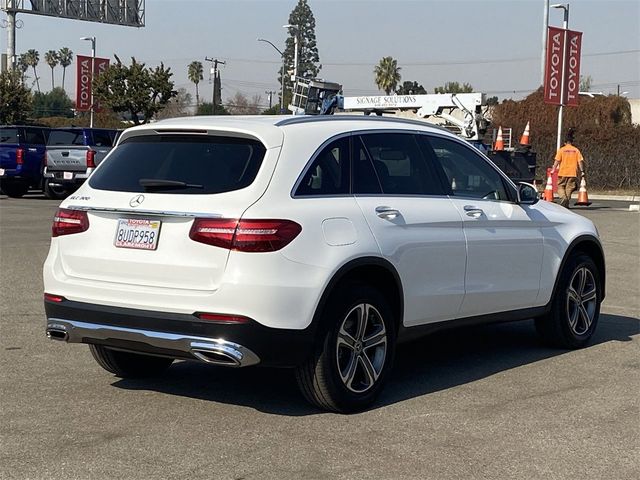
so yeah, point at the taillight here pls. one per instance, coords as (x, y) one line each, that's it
(68, 221)
(20, 156)
(91, 159)
(222, 318)
(245, 235)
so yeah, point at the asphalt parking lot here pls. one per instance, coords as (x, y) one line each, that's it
(485, 402)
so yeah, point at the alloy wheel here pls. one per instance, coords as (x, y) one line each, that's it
(582, 297)
(361, 348)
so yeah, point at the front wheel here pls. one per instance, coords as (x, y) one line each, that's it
(575, 307)
(354, 355)
(129, 365)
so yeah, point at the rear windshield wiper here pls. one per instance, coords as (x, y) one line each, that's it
(156, 184)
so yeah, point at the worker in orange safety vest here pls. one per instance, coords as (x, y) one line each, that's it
(570, 161)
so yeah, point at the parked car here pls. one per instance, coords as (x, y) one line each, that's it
(22, 150)
(314, 243)
(72, 154)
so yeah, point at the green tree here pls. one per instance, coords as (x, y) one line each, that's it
(410, 88)
(492, 100)
(32, 57)
(55, 103)
(66, 57)
(387, 74)
(206, 108)
(454, 87)
(136, 89)
(195, 73)
(15, 98)
(52, 59)
(304, 27)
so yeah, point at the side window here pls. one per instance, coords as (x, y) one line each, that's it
(101, 138)
(399, 164)
(329, 172)
(468, 174)
(34, 136)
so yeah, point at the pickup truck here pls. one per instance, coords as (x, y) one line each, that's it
(72, 154)
(22, 151)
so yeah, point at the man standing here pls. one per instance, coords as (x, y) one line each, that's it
(570, 161)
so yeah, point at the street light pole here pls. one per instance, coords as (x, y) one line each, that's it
(281, 76)
(565, 25)
(296, 42)
(545, 32)
(93, 71)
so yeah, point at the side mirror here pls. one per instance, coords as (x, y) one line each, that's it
(527, 194)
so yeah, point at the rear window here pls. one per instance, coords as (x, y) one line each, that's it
(102, 138)
(9, 135)
(180, 164)
(66, 137)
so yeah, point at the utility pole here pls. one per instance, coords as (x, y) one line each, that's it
(270, 93)
(214, 62)
(545, 29)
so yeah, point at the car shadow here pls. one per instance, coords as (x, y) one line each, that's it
(437, 362)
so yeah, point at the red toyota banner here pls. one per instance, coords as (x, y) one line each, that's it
(553, 66)
(572, 68)
(84, 79)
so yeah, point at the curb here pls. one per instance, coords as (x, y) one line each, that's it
(619, 198)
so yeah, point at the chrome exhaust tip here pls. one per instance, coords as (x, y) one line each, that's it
(57, 334)
(223, 353)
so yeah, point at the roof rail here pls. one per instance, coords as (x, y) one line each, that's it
(369, 118)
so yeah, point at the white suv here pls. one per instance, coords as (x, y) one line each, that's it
(311, 242)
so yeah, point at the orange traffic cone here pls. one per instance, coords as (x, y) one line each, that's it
(548, 190)
(499, 145)
(524, 140)
(583, 198)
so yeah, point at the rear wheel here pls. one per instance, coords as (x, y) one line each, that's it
(575, 307)
(55, 192)
(354, 355)
(15, 189)
(129, 365)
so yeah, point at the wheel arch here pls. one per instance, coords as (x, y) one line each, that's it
(374, 271)
(590, 246)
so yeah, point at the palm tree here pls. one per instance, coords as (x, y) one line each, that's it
(32, 58)
(195, 72)
(51, 57)
(23, 65)
(387, 74)
(66, 57)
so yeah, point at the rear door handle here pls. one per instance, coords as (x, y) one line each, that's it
(388, 213)
(473, 211)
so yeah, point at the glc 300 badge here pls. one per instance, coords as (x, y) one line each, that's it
(136, 201)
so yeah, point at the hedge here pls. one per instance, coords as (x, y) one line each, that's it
(608, 140)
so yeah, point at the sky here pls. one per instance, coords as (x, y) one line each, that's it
(493, 45)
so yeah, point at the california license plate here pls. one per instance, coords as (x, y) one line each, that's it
(137, 233)
(1, 171)
(67, 175)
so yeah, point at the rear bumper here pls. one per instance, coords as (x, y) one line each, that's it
(72, 177)
(176, 335)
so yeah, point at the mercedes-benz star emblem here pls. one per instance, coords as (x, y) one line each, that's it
(136, 201)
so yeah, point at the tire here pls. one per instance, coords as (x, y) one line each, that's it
(344, 374)
(129, 365)
(54, 193)
(575, 306)
(15, 189)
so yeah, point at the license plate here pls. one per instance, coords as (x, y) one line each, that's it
(137, 233)
(67, 175)
(1, 171)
